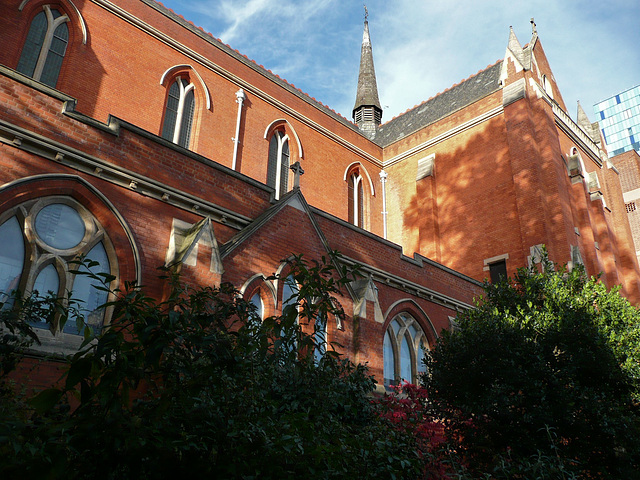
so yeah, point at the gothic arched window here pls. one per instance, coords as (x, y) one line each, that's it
(42, 240)
(289, 299)
(256, 301)
(278, 165)
(404, 349)
(290, 291)
(179, 110)
(45, 46)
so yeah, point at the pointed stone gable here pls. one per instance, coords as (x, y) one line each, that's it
(515, 47)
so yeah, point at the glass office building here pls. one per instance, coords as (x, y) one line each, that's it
(619, 120)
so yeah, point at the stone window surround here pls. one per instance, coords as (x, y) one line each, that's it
(52, 25)
(60, 343)
(186, 87)
(496, 259)
(406, 320)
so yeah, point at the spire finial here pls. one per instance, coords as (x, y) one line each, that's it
(533, 27)
(366, 13)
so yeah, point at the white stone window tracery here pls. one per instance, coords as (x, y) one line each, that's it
(42, 239)
(356, 200)
(179, 111)
(278, 163)
(404, 348)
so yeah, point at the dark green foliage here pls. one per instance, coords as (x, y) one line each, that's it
(196, 387)
(546, 367)
(15, 332)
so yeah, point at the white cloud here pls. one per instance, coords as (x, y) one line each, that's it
(238, 13)
(424, 47)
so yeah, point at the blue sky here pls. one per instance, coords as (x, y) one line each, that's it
(421, 48)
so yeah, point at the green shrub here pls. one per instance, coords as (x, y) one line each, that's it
(546, 367)
(195, 386)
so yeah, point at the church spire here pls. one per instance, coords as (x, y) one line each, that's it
(367, 112)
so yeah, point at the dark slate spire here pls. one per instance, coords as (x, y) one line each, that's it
(367, 112)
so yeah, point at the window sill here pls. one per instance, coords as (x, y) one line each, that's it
(61, 345)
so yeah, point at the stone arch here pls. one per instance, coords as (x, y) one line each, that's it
(171, 72)
(289, 131)
(80, 18)
(362, 169)
(266, 288)
(46, 185)
(417, 312)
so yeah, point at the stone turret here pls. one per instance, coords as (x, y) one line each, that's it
(515, 47)
(522, 55)
(367, 113)
(591, 129)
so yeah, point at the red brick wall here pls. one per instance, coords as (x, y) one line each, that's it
(503, 187)
(361, 338)
(498, 188)
(147, 221)
(125, 66)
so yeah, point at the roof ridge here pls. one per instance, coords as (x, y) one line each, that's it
(444, 91)
(269, 213)
(254, 62)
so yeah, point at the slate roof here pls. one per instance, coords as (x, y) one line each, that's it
(459, 96)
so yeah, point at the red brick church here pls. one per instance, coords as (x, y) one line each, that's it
(130, 135)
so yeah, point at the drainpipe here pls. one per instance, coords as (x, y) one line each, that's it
(383, 179)
(240, 98)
